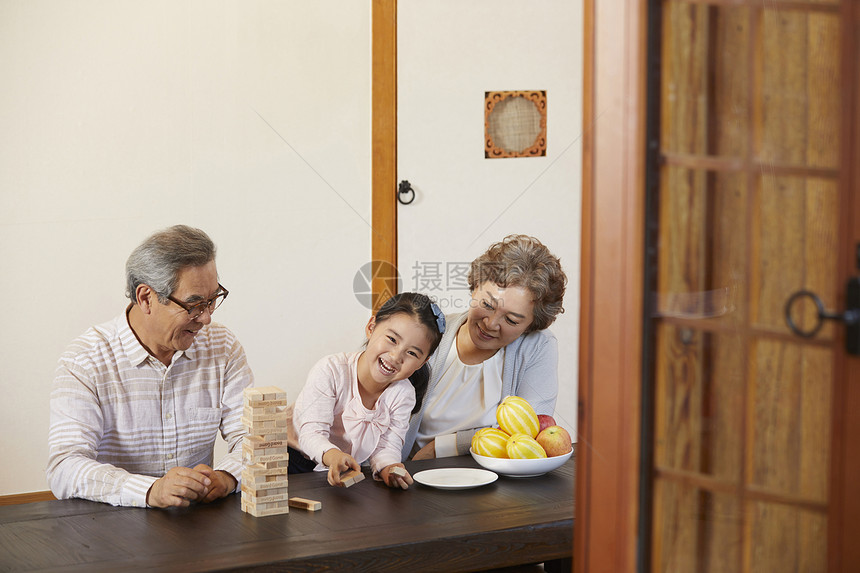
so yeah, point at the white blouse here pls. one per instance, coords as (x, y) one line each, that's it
(466, 397)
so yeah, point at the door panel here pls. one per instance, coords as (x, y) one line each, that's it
(749, 213)
(721, 380)
(449, 53)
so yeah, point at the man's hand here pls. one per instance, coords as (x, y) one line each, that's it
(338, 462)
(178, 488)
(428, 452)
(223, 483)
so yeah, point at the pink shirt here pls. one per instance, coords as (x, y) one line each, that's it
(329, 414)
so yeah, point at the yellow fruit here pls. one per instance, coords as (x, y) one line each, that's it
(521, 446)
(490, 442)
(516, 416)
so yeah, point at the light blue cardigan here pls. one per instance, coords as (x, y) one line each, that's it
(530, 371)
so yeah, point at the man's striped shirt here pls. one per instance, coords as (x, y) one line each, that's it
(120, 418)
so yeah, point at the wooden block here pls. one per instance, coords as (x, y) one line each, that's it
(260, 479)
(252, 394)
(258, 443)
(280, 504)
(270, 451)
(274, 394)
(265, 403)
(264, 393)
(256, 486)
(264, 510)
(248, 450)
(263, 478)
(265, 467)
(269, 498)
(397, 471)
(276, 413)
(259, 470)
(261, 409)
(351, 478)
(268, 512)
(251, 491)
(308, 504)
(264, 427)
(254, 459)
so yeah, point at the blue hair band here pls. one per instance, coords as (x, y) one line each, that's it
(440, 318)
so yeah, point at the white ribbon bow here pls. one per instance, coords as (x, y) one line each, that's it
(364, 427)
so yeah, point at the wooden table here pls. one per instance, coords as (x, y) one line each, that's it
(367, 527)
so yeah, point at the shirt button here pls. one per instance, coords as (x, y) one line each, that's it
(168, 416)
(169, 456)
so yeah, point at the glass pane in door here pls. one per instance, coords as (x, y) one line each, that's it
(746, 214)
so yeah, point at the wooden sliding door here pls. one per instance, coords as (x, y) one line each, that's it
(754, 202)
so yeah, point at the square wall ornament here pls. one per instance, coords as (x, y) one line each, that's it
(515, 124)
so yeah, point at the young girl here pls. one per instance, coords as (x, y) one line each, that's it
(356, 406)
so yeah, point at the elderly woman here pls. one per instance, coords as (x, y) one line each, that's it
(500, 347)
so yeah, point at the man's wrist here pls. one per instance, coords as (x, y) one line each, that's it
(232, 482)
(149, 493)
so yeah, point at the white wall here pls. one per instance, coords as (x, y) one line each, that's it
(119, 118)
(450, 52)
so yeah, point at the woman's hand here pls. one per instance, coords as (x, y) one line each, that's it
(428, 452)
(394, 480)
(338, 462)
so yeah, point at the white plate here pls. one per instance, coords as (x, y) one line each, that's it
(455, 478)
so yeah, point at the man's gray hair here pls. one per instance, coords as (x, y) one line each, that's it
(156, 262)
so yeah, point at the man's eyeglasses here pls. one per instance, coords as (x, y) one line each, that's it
(195, 310)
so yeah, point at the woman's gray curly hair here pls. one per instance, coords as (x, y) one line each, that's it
(523, 261)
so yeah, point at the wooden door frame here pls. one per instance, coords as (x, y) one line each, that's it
(383, 243)
(613, 205)
(844, 503)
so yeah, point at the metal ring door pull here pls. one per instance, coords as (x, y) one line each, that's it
(849, 317)
(405, 189)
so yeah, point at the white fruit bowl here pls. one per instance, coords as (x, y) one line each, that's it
(521, 468)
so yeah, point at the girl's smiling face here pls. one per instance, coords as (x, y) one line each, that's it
(499, 315)
(396, 348)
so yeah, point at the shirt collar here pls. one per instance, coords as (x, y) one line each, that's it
(132, 347)
(135, 351)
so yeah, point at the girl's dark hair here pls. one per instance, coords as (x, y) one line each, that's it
(426, 312)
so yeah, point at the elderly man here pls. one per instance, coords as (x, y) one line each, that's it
(138, 401)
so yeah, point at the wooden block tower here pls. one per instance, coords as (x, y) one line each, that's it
(264, 452)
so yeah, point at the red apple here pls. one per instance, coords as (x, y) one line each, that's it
(555, 441)
(545, 421)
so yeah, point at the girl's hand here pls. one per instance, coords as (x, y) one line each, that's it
(393, 480)
(338, 462)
